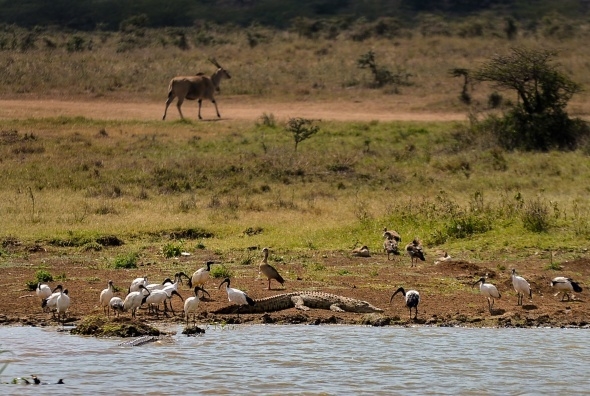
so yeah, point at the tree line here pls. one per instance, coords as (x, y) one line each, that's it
(109, 14)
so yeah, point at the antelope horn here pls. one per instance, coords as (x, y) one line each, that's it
(212, 60)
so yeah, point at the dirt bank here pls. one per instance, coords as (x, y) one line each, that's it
(447, 298)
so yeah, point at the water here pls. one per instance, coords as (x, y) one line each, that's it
(304, 360)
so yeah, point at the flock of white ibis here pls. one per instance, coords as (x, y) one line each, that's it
(154, 294)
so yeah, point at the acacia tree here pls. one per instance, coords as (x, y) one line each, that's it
(539, 120)
(301, 129)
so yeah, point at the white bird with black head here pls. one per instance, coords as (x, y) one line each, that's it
(565, 285)
(105, 297)
(43, 291)
(62, 304)
(201, 275)
(521, 286)
(489, 291)
(135, 299)
(236, 296)
(192, 303)
(412, 300)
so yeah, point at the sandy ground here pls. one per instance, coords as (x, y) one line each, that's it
(230, 109)
(446, 292)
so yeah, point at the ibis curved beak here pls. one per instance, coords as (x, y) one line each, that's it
(177, 294)
(226, 280)
(197, 288)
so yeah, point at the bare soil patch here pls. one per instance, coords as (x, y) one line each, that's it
(447, 297)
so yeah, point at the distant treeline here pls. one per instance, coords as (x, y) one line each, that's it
(109, 14)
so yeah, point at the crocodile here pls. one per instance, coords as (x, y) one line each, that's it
(304, 300)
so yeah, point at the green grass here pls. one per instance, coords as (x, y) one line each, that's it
(294, 201)
(227, 186)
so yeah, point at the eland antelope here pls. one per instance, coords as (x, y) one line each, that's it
(197, 87)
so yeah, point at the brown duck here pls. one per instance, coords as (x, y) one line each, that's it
(269, 271)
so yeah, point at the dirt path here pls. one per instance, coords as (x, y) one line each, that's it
(231, 108)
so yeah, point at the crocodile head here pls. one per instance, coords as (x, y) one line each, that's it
(360, 306)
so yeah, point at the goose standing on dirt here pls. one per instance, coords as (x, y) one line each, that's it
(43, 291)
(62, 304)
(521, 286)
(565, 285)
(201, 275)
(415, 251)
(192, 303)
(135, 299)
(105, 298)
(390, 244)
(489, 291)
(268, 270)
(236, 296)
(412, 300)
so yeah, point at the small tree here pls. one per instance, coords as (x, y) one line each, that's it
(381, 75)
(301, 129)
(539, 120)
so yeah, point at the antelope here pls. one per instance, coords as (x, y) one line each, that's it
(195, 87)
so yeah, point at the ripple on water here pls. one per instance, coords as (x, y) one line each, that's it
(299, 360)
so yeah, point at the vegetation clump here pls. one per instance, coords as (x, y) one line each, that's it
(100, 326)
(538, 121)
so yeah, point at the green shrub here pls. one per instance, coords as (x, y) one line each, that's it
(43, 276)
(535, 216)
(220, 271)
(126, 261)
(172, 250)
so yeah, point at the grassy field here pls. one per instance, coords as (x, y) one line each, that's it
(236, 184)
(239, 184)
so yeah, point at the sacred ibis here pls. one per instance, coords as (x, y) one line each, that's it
(565, 285)
(201, 275)
(192, 303)
(135, 299)
(157, 297)
(105, 297)
(116, 305)
(412, 300)
(268, 270)
(236, 296)
(136, 282)
(489, 291)
(43, 291)
(521, 286)
(50, 303)
(62, 303)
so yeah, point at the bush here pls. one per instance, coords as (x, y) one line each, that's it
(43, 276)
(464, 225)
(220, 271)
(172, 250)
(535, 216)
(126, 261)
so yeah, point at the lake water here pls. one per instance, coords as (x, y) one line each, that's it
(304, 360)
